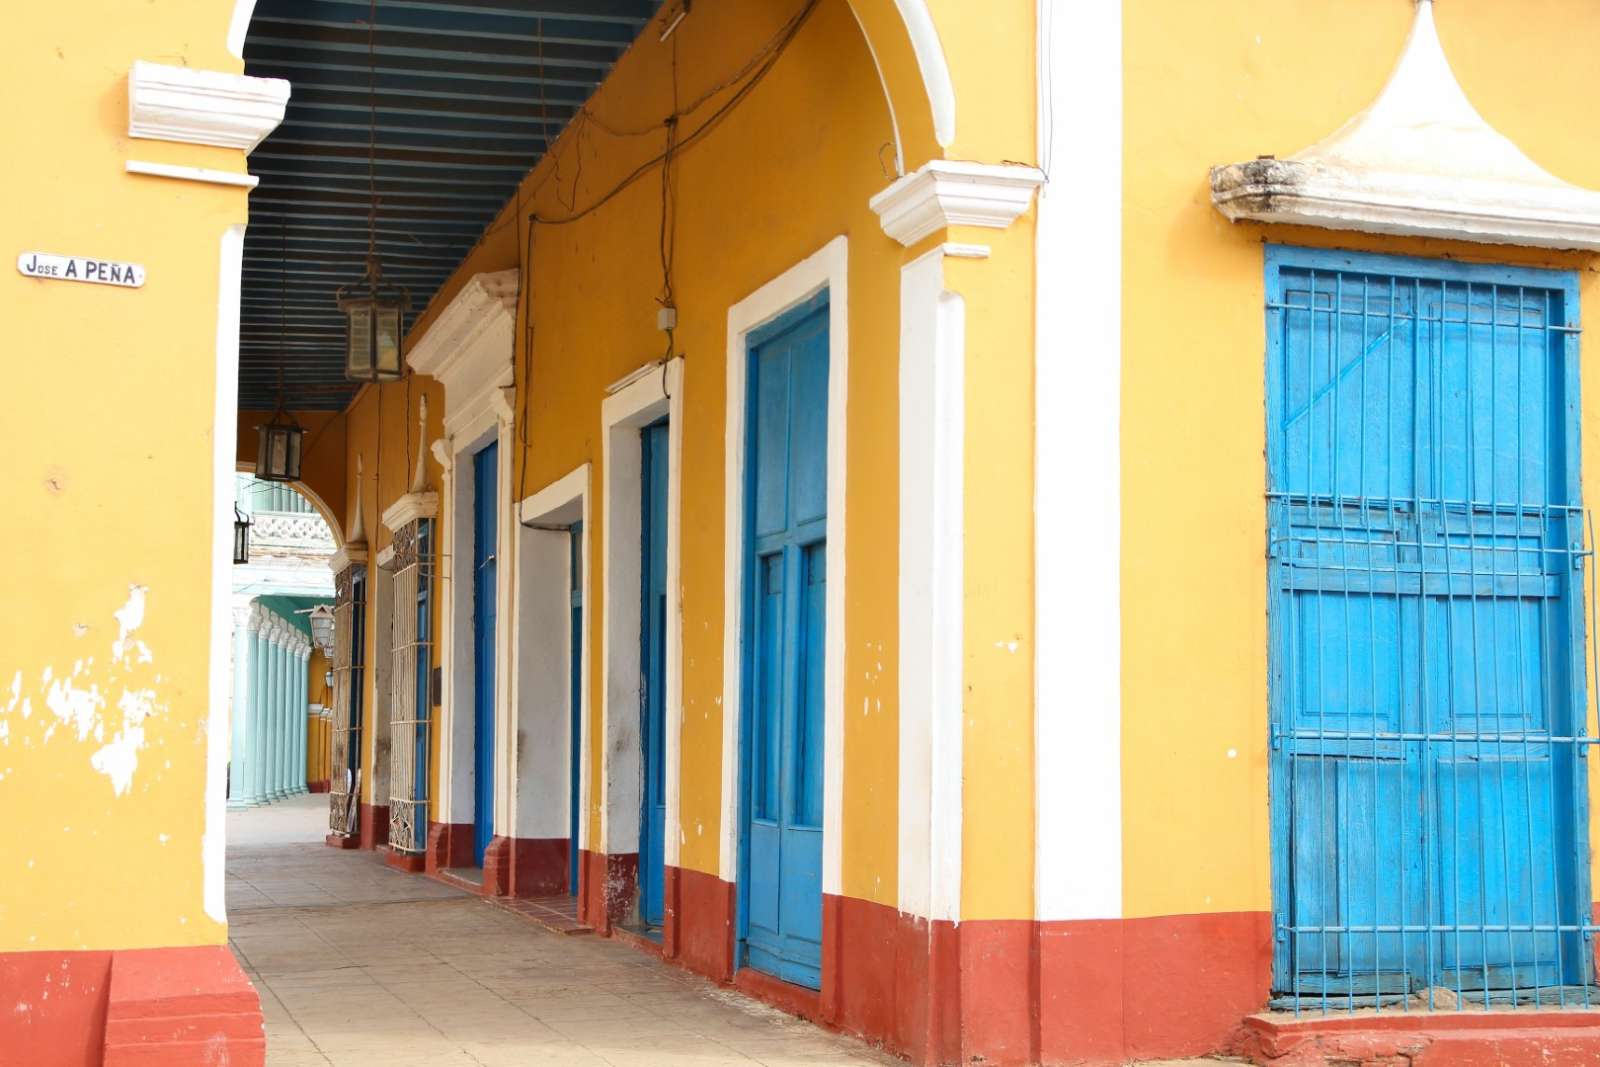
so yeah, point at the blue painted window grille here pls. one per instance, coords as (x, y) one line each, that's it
(412, 694)
(1427, 547)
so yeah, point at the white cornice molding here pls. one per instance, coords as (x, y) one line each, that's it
(345, 556)
(411, 507)
(1420, 161)
(469, 348)
(947, 192)
(207, 107)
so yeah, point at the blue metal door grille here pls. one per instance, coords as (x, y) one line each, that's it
(1426, 550)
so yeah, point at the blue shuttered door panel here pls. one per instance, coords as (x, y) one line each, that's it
(653, 668)
(1426, 544)
(575, 736)
(484, 513)
(786, 580)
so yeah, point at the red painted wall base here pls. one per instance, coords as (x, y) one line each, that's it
(172, 1007)
(449, 845)
(1003, 992)
(698, 930)
(374, 822)
(341, 841)
(525, 867)
(410, 862)
(607, 886)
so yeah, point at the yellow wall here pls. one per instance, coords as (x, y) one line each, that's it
(1217, 83)
(322, 460)
(317, 691)
(381, 427)
(107, 476)
(787, 171)
(998, 785)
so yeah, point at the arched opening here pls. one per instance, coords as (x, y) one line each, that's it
(281, 597)
(462, 113)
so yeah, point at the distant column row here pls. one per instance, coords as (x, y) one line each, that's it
(269, 708)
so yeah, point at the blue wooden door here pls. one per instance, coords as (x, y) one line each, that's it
(575, 735)
(1427, 680)
(786, 585)
(653, 671)
(484, 526)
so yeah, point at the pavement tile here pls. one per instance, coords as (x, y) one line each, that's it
(359, 965)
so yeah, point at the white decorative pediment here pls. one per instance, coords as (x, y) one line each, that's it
(203, 106)
(1419, 161)
(410, 507)
(345, 556)
(419, 502)
(470, 346)
(945, 192)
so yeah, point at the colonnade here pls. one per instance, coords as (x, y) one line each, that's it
(270, 656)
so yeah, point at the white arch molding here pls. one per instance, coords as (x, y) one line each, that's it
(313, 498)
(924, 36)
(239, 25)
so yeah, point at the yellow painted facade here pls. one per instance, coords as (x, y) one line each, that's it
(381, 427)
(1209, 84)
(594, 284)
(108, 475)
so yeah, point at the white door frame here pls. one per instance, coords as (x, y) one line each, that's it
(635, 402)
(541, 678)
(470, 349)
(827, 269)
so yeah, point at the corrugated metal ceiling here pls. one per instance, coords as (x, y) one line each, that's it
(467, 98)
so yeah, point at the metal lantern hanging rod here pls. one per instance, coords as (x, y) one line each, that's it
(281, 440)
(374, 310)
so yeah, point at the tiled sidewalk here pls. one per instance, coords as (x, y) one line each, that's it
(361, 965)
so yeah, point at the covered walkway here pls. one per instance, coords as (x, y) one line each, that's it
(360, 965)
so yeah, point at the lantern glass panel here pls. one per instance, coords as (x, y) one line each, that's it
(263, 454)
(279, 457)
(241, 541)
(387, 342)
(358, 360)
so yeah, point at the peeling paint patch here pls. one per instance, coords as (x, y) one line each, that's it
(79, 698)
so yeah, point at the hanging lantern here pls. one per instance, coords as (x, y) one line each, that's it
(374, 310)
(241, 537)
(321, 620)
(278, 450)
(374, 313)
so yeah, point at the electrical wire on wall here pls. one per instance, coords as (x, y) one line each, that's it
(743, 82)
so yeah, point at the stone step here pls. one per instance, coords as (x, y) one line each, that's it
(1501, 1038)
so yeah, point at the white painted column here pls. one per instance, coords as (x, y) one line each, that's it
(269, 706)
(301, 708)
(275, 714)
(286, 710)
(932, 553)
(1078, 465)
(259, 662)
(239, 758)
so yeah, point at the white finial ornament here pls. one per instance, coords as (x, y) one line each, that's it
(419, 480)
(358, 529)
(1419, 160)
